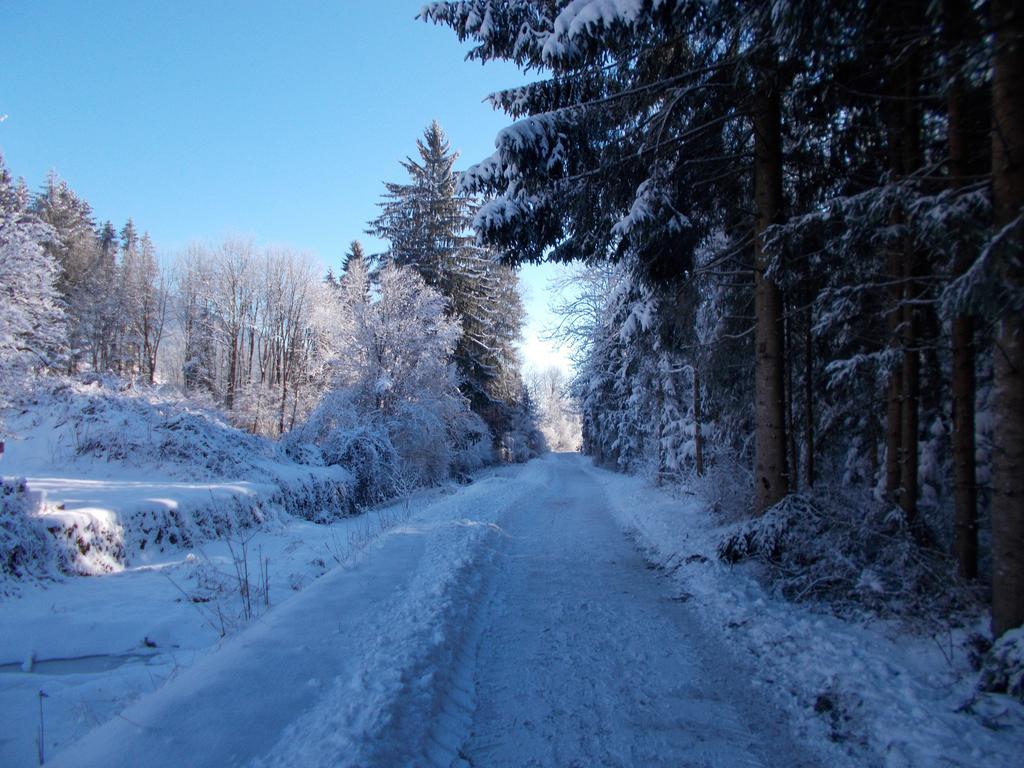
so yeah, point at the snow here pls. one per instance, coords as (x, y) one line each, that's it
(120, 476)
(875, 691)
(581, 18)
(581, 656)
(101, 643)
(547, 614)
(345, 648)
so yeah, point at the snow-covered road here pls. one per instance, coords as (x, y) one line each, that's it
(585, 657)
(509, 624)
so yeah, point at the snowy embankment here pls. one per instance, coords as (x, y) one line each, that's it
(99, 479)
(478, 625)
(362, 656)
(879, 692)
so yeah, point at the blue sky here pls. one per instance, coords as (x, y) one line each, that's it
(274, 120)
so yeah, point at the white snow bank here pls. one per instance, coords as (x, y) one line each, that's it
(99, 644)
(116, 474)
(875, 691)
(368, 644)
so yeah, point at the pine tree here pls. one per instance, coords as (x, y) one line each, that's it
(75, 251)
(1008, 205)
(32, 327)
(425, 222)
(355, 253)
(106, 317)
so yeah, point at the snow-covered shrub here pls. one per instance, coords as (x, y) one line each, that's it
(91, 545)
(105, 418)
(338, 436)
(727, 487)
(189, 522)
(394, 415)
(368, 454)
(421, 438)
(1002, 670)
(850, 554)
(471, 444)
(27, 550)
(515, 448)
(317, 497)
(39, 542)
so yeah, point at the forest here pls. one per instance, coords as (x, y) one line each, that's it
(787, 248)
(801, 231)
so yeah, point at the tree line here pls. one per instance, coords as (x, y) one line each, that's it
(261, 332)
(810, 215)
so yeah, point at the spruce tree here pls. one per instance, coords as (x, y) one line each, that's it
(426, 223)
(75, 251)
(1008, 205)
(355, 253)
(32, 322)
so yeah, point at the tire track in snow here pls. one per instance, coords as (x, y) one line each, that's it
(584, 658)
(415, 704)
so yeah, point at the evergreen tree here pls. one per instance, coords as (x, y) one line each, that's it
(638, 147)
(106, 317)
(426, 222)
(355, 253)
(75, 251)
(32, 327)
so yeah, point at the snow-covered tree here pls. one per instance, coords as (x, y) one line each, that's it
(392, 371)
(557, 416)
(150, 311)
(355, 252)
(636, 147)
(195, 318)
(75, 250)
(426, 223)
(32, 326)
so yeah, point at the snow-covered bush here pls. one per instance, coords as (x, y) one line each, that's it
(337, 435)
(1002, 670)
(394, 414)
(471, 444)
(371, 458)
(850, 554)
(421, 437)
(104, 418)
(27, 550)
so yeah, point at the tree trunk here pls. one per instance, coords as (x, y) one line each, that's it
(909, 410)
(794, 461)
(809, 401)
(660, 433)
(1008, 200)
(698, 437)
(771, 477)
(894, 396)
(229, 394)
(965, 492)
(893, 428)
(905, 269)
